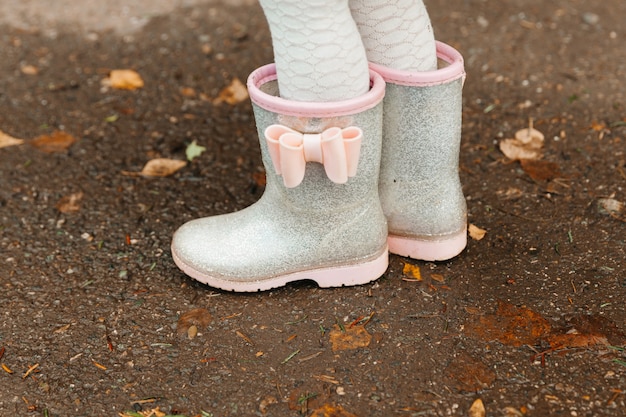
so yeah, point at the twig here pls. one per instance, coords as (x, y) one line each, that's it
(244, 337)
(308, 358)
(30, 370)
(290, 357)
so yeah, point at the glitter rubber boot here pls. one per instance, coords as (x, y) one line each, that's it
(320, 217)
(420, 188)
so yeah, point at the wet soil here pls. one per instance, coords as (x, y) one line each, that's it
(96, 320)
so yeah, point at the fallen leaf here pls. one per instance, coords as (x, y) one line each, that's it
(611, 206)
(438, 277)
(194, 150)
(477, 409)
(527, 144)
(70, 203)
(192, 331)
(124, 79)
(540, 170)
(468, 374)
(530, 135)
(516, 151)
(597, 127)
(412, 271)
(58, 141)
(188, 92)
(198, 318)
(266, 402)
(511, 193)
(158, 167)
(6, 140)
(512, 412)
(476, 232)
(331, 410)
(510, 325)
(235, 93)
(586, 331)
(29, 70)
(353, 337)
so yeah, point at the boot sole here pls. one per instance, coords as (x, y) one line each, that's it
(428, 250)
(336, 276)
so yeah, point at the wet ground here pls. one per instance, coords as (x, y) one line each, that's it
(96, 320)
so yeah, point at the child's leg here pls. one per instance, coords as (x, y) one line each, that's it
(318, 51)
(397, 34)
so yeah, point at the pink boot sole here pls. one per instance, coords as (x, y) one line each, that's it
(348, 275)
(428, 250)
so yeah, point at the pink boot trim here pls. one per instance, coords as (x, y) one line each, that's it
(453, 71)
(428, 250)
(347, 275)
(282, 106)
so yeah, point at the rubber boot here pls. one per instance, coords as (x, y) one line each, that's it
(320, 216)
(420, 188)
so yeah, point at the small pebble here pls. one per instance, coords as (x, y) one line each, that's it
(591, 18)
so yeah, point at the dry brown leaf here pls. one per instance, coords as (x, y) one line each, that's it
(235, 93)
(468, 374)
(57, 141)
(266, 403)
(70, 203)
(158, 167)
(188, 92)
(510, 325)
(586, 331)
(6, 140)
(511, 193)
(530, 136)
(196, 318)
(476, 232)
(514, 150)
(477, 409)
(352, 337)
(412, 271)
(124, 79)
(541, 170)
(438, 277)
(611, 206)
(527, 144)
(331, 410)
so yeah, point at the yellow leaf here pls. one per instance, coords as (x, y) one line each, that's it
(412, 271)
(124, 79)
(235, 93)
(352, 337)
(332, 410)
(6, 140)
(476, 232)
(477, 409)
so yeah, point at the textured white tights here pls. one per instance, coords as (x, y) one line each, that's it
(396, 33)
(321, 47)
(318, 51)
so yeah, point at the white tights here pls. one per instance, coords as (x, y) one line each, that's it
(321, 47)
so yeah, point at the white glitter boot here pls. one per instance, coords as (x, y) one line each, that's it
(420, 188)
(320, 217)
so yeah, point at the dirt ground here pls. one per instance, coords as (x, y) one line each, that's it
(96, 320)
